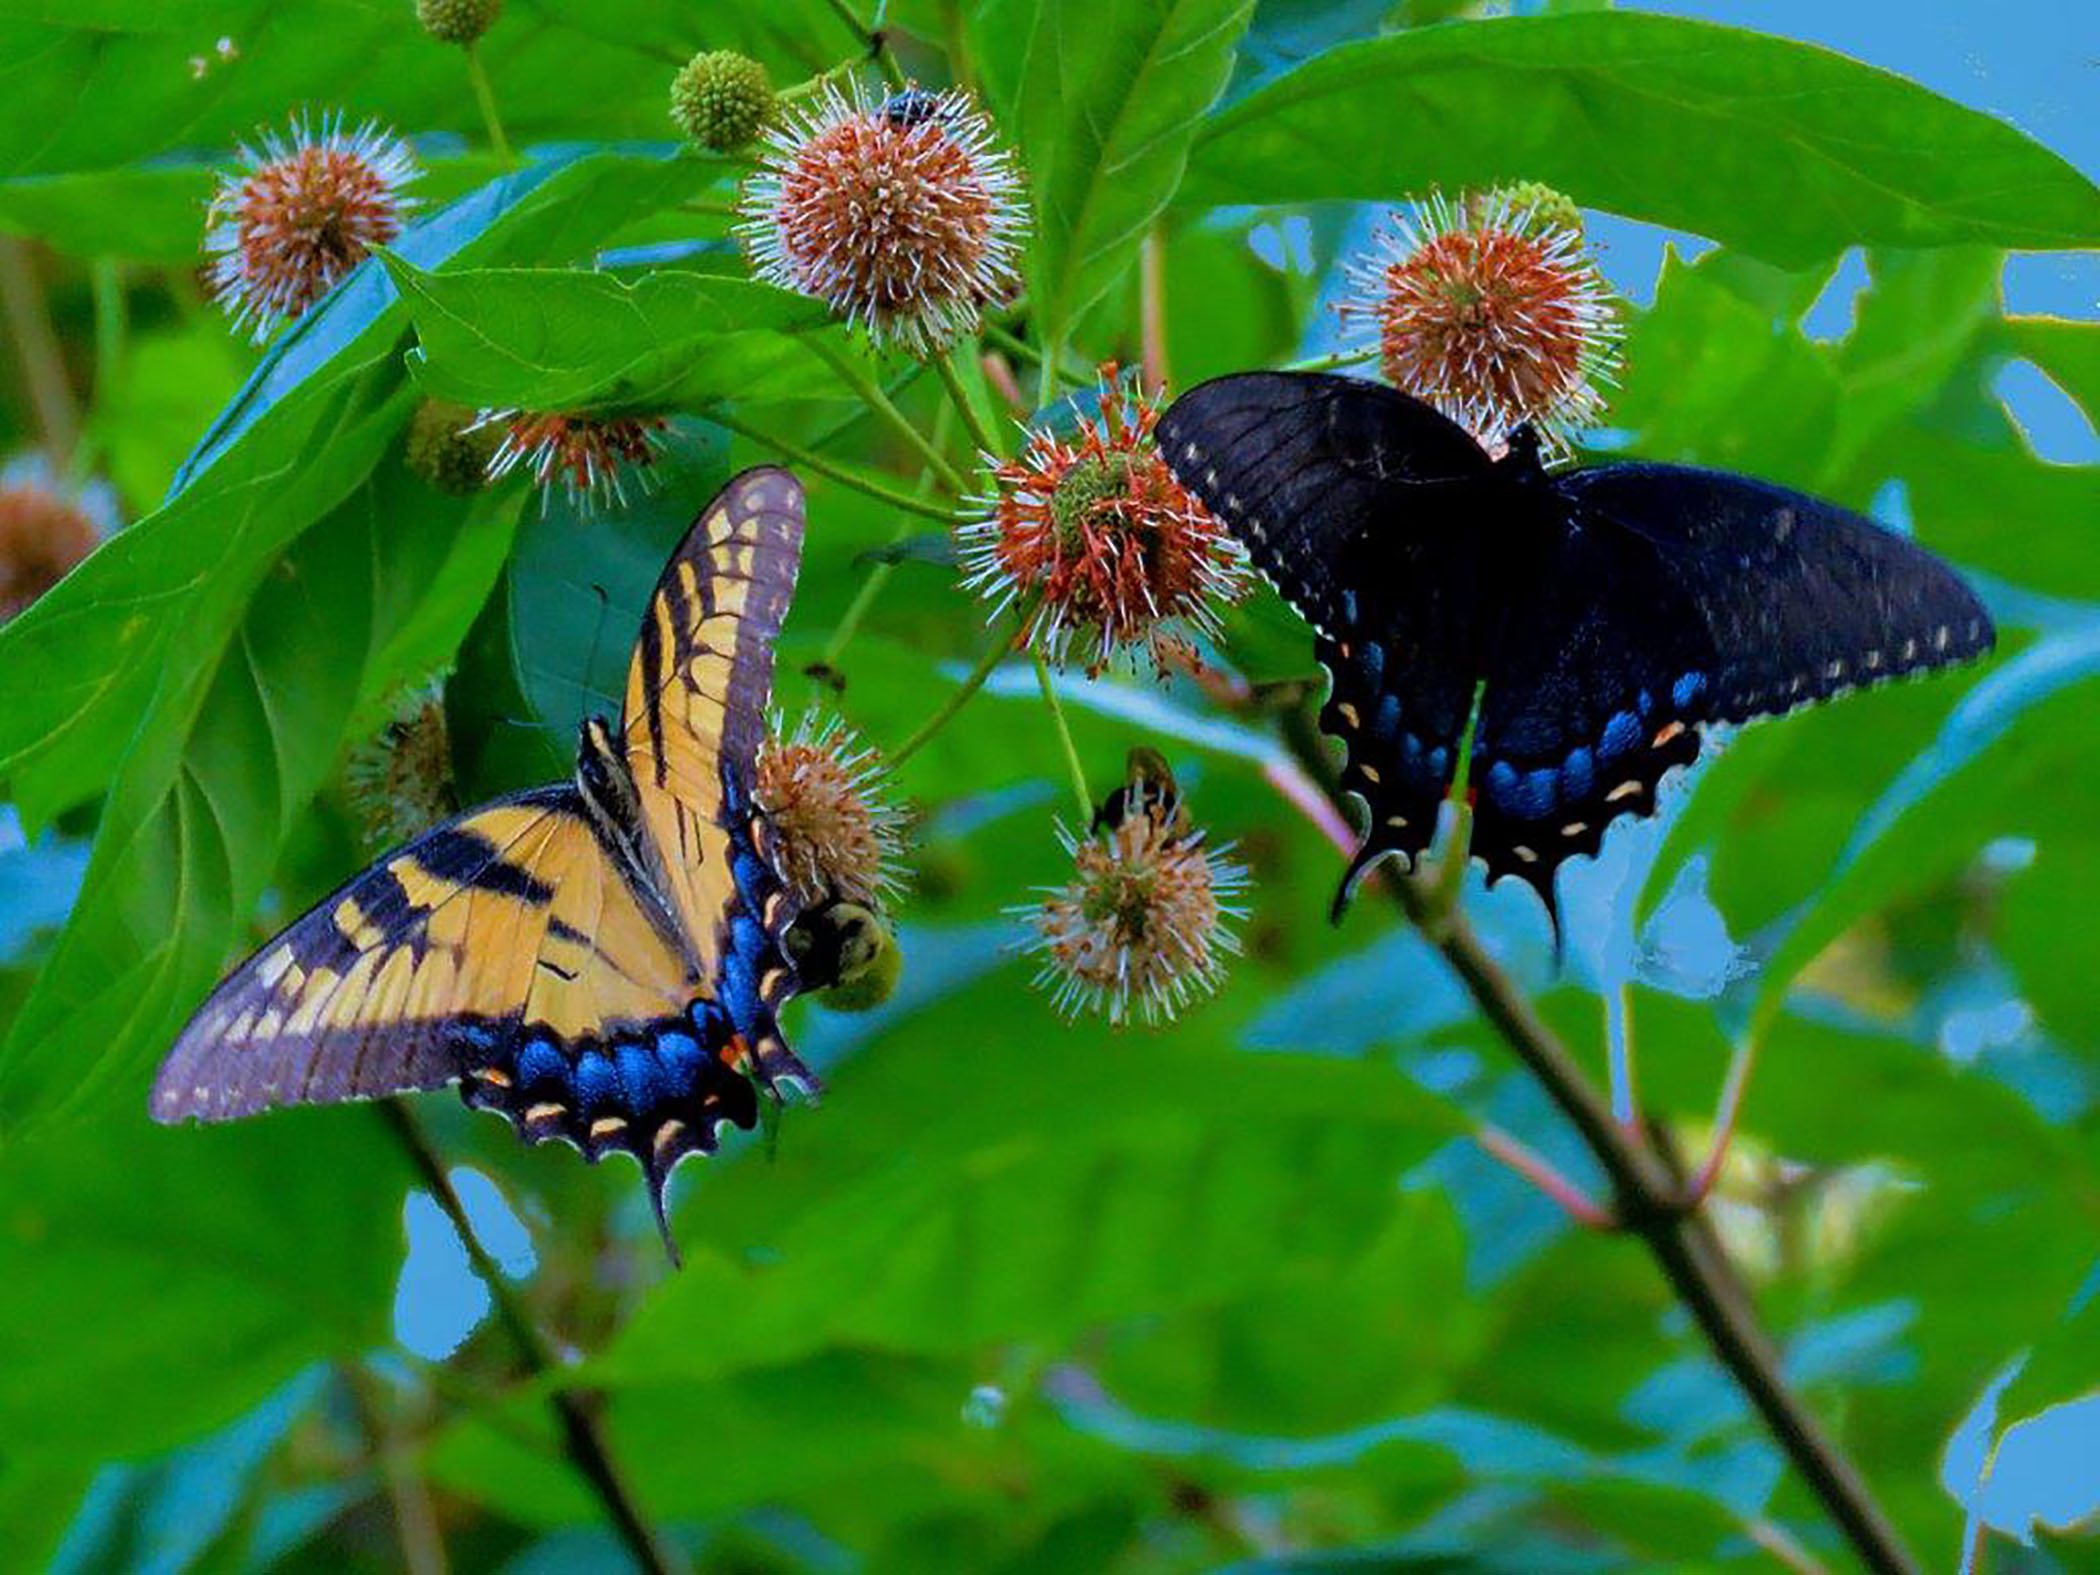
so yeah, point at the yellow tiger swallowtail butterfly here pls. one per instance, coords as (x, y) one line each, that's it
(601, 960)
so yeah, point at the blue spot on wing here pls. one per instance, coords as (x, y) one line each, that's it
(540, 1062)
(597, 1084)
(1621, 734)
(1687, 689)
(1578, 774)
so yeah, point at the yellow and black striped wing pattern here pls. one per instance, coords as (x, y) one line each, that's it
(694, 718)
(598, 960)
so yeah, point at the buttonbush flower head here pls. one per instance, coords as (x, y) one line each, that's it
(46, 527)
(400, 779)
(900, 214)
(1094, 536)
(837, 834)
(592, 457)
(450, 447)
(1493, 311)
(303, 210)
(722, 99)
(1141, 928)
(458, 22)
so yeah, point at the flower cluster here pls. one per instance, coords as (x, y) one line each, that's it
(1493, 311)
(400, 779)
(1091, 534)
(304, 210)
(590, 456)
(45, 529)
(900, 214)
(1140, 929)
(837, 835)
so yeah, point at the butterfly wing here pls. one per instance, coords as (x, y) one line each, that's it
(502, 950)
(691, 726)
(1352, 500)
(1677, 598)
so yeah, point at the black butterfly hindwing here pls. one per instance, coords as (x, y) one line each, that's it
(1606, 616)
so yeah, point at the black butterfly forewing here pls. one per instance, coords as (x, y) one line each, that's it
(1611, 613)
(1351, 500)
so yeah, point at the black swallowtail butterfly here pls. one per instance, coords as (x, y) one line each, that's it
(1609, 614)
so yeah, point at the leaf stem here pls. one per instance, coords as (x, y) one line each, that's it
(36, 348)
(944, 367)
(870, 391)
(876, 44)
(583, 1440)
(810, 460)
(1332, 361)
(1064, 738)
(1653, 1204)
(485, 96)
(1001, 644)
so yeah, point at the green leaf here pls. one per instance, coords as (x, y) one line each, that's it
(232, 751)
(2069, 352)
(1787, 152)
(2006, 766)
(2065, 1362)
(1062, 1193)
(155, 1282)
(1111, 97)
(548, 339)
(87, 87)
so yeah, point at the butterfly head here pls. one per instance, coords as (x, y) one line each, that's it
(1523, 455)
(602, 775)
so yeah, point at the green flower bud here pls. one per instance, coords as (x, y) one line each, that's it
(448, 450)
(1548, 209)
(458, 22)
(722, 99)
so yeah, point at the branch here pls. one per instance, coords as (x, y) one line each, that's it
(1651, 1204)
(583, 1440)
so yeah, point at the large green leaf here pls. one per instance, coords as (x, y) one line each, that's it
(546, 339)
(1784, 151)
(1072, 1187)
(1111, 97)
(2005, 766)
(154, 1283)
(230, 753)
(560, 72)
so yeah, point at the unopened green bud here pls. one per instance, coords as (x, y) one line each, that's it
(722, 99)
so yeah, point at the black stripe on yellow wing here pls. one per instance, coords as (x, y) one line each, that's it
(694, 718)
(503, 950)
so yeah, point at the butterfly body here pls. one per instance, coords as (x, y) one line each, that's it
(600, 960)
(1604, 618)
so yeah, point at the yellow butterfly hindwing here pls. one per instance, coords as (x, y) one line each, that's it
(599, 960)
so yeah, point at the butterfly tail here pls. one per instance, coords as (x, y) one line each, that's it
(659, 1183)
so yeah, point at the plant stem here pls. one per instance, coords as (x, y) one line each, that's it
(945, 368)
(878, 576)
(485, 96)
(36, 347)
(837, 472)
(583, 1440)
(415, 1519)
(1001, 644)
(871, 392)
(1064, 737)
(1651, 1204)
(1152, 309)
(1618, 1038)
(874, 42)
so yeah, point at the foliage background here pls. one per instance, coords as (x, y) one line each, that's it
(1024, 1296)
